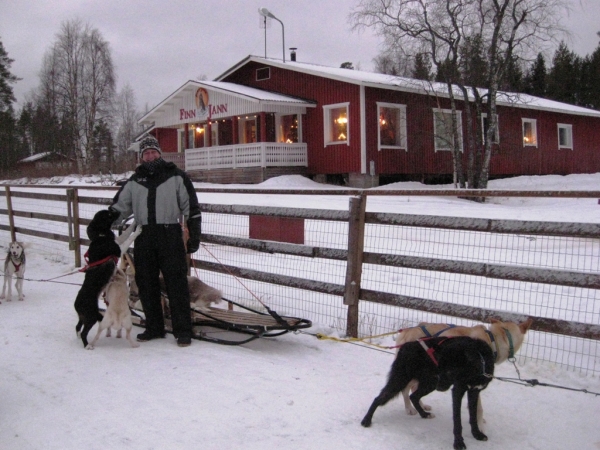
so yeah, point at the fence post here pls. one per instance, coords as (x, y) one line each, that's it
(76, 234)
(70, 194)
(356, 234)
(11, 217)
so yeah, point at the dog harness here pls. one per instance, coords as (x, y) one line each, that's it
(430, 350)
(16, 266)
(428, 334)
(19, 261)
(431, 353)
(88, 266)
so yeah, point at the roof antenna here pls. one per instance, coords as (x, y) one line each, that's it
(266, 13)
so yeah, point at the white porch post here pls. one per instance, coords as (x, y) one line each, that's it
(363, 132)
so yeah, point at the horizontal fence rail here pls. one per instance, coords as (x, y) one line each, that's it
(366, 273)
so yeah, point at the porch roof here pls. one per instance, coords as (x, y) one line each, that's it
(261, 98)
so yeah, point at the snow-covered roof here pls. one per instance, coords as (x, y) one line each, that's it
(39, 156)
(35, 157)
(384, 81)
(254, 93)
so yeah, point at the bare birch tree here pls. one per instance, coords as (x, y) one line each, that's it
(78, 84)
(506, 29)
(126, 115)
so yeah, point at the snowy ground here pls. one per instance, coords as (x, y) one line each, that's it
(289, 392)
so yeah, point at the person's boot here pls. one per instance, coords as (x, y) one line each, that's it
(184, 341)
(148, 336)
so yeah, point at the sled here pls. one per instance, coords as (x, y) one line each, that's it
(233, 327)
(220, 325)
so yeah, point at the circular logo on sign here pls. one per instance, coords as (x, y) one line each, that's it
(201, 99)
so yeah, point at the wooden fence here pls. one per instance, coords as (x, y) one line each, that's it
(341, 267)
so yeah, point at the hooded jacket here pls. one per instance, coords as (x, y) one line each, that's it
(158, 197)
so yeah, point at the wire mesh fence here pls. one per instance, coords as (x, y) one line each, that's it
(309, 279)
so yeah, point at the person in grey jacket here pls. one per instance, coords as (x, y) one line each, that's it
(158, 194)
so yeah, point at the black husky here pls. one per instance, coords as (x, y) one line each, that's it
(438, 363)
(102, 256)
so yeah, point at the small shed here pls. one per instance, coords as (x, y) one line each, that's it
(46, 164)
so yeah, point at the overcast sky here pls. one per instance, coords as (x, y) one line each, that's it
(159, 45)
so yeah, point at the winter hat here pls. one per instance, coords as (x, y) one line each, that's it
(149, 142)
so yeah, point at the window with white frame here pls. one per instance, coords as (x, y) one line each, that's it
(529, 132)
(565, 136)
(485, 125)
(336, 124)
(391, 124)
(444, 135)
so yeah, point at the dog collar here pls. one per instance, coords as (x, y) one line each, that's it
(511, 346)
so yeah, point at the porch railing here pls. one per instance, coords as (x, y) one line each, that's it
(259, 154)
(177, 158)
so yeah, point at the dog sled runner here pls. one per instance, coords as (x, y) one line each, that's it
(233, 327)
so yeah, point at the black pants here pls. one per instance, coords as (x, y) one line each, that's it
(160, 249)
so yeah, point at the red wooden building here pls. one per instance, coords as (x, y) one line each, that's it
(264, 117)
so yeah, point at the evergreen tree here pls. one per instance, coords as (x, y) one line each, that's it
(535, 82)
(6, 79)
(564, 76)
(103, 149)
(513, 80)
(473, 65)
(589, 95)
(40, 130)
(422, 68)
(24, 129)
(447, 72)
(9, 151)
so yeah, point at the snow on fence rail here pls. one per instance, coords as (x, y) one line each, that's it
(366, 273)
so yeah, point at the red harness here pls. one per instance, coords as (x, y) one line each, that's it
(17, 266)
(430, 350)
(113, 258)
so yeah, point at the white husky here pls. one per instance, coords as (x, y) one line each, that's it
(117, 313)
(14, 266)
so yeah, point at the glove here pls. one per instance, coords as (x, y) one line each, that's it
(194, 226)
